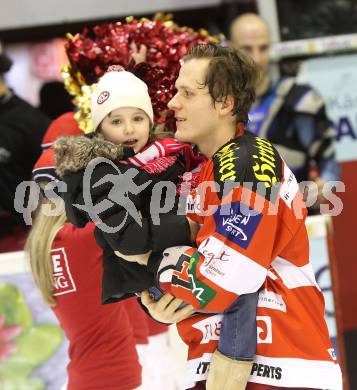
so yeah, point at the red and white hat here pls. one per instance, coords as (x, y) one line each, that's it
(61, 126)
(44, 168)
(117, 89)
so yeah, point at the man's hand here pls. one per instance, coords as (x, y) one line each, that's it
(166, 309)
(141, 259)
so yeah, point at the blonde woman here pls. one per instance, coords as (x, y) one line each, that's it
(66, 264)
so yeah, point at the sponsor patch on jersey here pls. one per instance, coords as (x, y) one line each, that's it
(202, 292)
(185, 277)
(266, 371)
(289, 188)
(210, 327)
(197, 370)
(266, 169)
(63, 280)
(227, 163)
(265, 162)
(240, 223)
(228, 268)
(264, 330)
(271, 300)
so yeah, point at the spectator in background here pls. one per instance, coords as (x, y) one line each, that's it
(21, 130)
(290, 115)
(54, 99)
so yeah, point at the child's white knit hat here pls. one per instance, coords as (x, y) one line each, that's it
(119, 89)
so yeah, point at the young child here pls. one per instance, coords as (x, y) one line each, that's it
(122, 114)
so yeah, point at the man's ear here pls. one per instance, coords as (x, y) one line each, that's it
(226, 107)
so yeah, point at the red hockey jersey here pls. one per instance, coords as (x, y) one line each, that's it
(253, 237)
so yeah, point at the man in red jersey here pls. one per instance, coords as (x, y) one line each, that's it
(252, 237)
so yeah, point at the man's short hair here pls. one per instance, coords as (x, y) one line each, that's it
(230, 72)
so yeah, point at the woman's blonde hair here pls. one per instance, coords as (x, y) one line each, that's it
(46, 225)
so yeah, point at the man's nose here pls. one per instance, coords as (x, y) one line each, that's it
(173, 104)
(257, 56)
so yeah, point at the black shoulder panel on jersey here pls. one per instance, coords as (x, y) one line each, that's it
(227, 162)
(250, 161)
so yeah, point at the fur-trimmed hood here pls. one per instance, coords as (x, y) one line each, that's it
(74, 153)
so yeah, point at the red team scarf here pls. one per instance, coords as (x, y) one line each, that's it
(160, 155)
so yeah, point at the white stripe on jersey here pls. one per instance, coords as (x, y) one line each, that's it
(288, 372)
(281, 372)
(230, 269)
(293, 276)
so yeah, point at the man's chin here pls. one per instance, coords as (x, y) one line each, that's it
(180, 137)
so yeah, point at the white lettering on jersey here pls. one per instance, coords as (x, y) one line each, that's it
(63, 281)
(289, 188)
(210, 328)
(271, 300)
(229, 268)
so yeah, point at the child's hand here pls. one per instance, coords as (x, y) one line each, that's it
(141, 259)
(166, 309)
(138, 55)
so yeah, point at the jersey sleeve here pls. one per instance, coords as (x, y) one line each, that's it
(139, 236)
(121, 279)
(232, 259)
(111, 196)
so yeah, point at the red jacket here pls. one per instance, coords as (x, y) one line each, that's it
(101, 344)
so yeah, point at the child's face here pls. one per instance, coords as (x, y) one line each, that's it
(129, 126)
